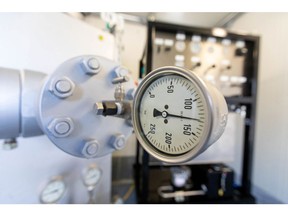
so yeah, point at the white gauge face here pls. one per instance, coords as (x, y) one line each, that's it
(92, 176)
(180, 46)
(53, 191)
(172, 114)
(195, 47)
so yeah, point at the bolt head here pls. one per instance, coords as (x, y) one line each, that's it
(62, 88)
(90, 149)
(121, 71)
(93, 63)
(61, 127)
(131, 94)
(90, 66)
(118, 141)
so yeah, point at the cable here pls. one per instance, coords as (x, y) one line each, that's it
(128, 193)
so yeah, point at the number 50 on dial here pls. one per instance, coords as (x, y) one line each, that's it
(176, 115)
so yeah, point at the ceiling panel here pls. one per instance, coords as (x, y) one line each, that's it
(191, 19)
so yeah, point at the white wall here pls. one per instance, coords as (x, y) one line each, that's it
(133, 42)
(270, 164)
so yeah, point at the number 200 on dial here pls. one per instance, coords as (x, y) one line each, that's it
(173, 114)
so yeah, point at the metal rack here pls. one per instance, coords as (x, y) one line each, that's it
(143, 166)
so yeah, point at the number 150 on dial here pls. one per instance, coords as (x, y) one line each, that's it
(176, 115)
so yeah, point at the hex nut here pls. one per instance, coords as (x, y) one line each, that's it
(121, 71)
(10, 144)
(118, 141)
(99, 108)
(90, 66)
(61, 127)
(62, 88)
(129, 122)
(131, 94)
(90, 149)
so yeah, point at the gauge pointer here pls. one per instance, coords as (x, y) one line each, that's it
(156, 113)
(165, 114)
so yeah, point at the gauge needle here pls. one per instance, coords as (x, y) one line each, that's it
(165, 114)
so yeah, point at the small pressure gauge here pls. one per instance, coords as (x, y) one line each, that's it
(176, 115)
(91, 175)
(195, 44)
(180, 46)
(195, 47)
(53, 191)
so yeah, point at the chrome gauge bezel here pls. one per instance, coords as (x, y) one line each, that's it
(59, 179)
(203, 143)
(91, 167)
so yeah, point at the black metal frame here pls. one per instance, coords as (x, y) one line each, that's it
(248, 99)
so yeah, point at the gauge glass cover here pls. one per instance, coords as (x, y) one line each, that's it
(92, 176)
(172, 114)
(53, 191)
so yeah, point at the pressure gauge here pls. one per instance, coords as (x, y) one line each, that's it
(176, 115)
(91, 175)
(180, 46)
(53, 191)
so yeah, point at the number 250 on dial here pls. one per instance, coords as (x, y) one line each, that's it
(174, 114)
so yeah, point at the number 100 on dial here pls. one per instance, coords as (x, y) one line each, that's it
(176, 115)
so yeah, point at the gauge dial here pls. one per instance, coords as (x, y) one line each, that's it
(53, 191)
(173, 114)
(195, 47)
(92, 175)
(180, 46)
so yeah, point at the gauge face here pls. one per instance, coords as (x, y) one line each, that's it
(92, 176)
(180, 46)
(53, 191)
(195, 47)
(172, 114)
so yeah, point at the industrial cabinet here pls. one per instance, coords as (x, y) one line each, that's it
(228, 60)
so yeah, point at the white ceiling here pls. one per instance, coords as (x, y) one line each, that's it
(191, 19)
